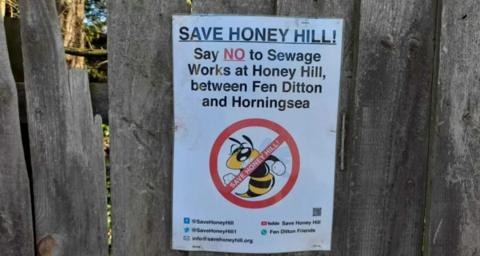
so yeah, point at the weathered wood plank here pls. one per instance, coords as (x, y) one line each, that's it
(99, 91)
(98, 94)
(22, 103)
(16, 225)
(89, 176)
(345, 9)
(255, 7)
(68, 177)
(244, 7)
(454, 213)
(141, 121)
(387, 129)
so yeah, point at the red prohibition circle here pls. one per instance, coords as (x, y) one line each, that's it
(254, 122)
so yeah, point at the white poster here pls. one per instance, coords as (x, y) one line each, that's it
(256, 102)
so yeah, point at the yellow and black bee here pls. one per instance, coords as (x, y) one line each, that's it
(261, 179)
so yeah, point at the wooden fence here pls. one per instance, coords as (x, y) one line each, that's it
(408, 165)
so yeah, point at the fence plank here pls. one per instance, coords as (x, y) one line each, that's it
(387, 139)
(455, 158)
(345, 9)
(99, 98)
(16, 227)
(90, 171)
(245, 7)
(68, 177)
(141, 109)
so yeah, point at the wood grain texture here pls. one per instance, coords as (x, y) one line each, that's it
(253, 7)
(99, 91)
(455, 151)
(16, 225)
(387, 129)
(141, 122)
(98, 95)
(345, 9)
(88, 180)
(65, 142)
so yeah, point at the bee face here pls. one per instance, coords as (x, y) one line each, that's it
(240, 157)
(241, 153)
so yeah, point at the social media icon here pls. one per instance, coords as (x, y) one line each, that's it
(263, 232)
(264, 223)
(186, 229)
(186, 220)
(186, 238)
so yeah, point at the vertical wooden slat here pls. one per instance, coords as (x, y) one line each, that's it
(387, 138)
(345, 9)
(98, 94)
(16, 227)
(67, 162)
(454, 226)
(141, 119)
(89, 177)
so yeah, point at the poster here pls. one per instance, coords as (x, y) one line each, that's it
(255, 109)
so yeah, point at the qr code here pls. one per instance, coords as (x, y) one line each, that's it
(317, 212)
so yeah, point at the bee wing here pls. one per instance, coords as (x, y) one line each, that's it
(228, 177)
(279, 168)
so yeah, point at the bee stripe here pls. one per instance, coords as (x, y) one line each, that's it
(264, 178)
(260, 184)
(259, 191)
(251, 194)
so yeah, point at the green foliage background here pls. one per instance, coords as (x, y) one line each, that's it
(95, 28)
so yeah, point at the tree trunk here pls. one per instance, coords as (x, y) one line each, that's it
(71, 15)
(2, 8)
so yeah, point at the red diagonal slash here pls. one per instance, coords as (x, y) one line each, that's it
(254, 164)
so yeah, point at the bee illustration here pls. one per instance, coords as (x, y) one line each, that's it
(261, 179)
